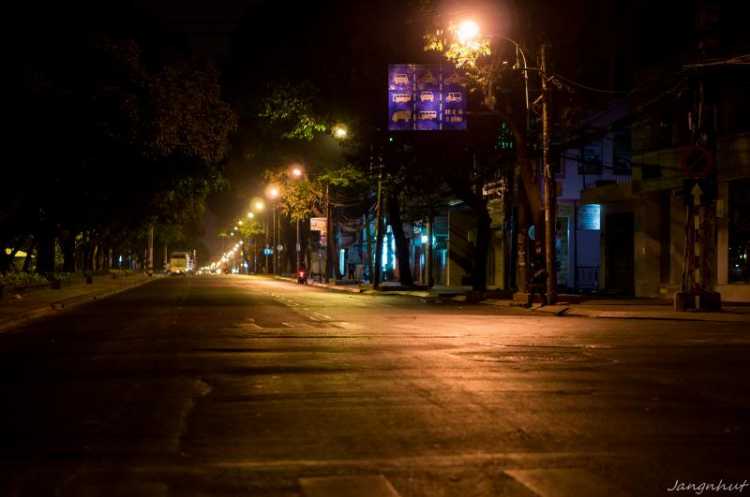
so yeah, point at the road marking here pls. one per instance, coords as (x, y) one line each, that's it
(515, 458)
(338, 486)
(572, 482)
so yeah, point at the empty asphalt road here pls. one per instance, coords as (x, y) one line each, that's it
(239, 385)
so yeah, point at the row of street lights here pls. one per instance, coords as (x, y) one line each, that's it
(258, 205)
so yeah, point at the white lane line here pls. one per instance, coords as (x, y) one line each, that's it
(572, 482)
(349, 486)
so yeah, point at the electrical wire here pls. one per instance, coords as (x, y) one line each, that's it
(580, 85)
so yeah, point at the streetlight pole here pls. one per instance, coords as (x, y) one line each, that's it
(550, 188)
(378, 232)
(298, 248)
(273, 248)
(151, 251)
(470, 29)
(329, 253)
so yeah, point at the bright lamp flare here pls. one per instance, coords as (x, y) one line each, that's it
(273, 192)
(296, 172)
(251, 215)
(340, 131)
(467, 30)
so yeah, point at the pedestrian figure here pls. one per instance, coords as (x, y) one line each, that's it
(352, 267)
(539, 281)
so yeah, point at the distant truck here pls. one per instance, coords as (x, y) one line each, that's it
(180, 264)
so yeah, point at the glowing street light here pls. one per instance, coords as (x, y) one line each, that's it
(340, 132)
(259, 205)
(467, 30)
(251, 215)
(273, 192)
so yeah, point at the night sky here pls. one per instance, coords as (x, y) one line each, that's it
(343, 48)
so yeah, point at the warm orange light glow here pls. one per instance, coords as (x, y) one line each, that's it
(251, 215)
(467, 30)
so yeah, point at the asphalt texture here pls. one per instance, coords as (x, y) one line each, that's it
(239, 385)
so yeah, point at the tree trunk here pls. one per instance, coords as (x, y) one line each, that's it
(479, 273)
(69, 251)
(45, 255)
(379, 235)
(368, 246)
(402, 244)
(337, 252)
(27, 259)
(5, 259)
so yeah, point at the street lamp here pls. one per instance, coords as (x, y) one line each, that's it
(340, 131)
(468, 30)
(273, 192)
(296, 172)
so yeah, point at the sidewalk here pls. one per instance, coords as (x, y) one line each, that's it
(15, 311)
(636, 309)
(591, 307)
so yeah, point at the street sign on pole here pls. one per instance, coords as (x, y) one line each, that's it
(317, 224)
(698, 191)
(426, 97)
(697, 162)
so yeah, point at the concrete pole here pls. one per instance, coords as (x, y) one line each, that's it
(550, 211)
(378, 236)
(151, 251)
(428, 262)
(273, 248)
(266, 268)
(298, 248)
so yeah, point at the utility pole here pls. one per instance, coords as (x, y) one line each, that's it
(151, 251)
(268, 238)
(550, 211)
(273, 239)
(378, 231)
(298, 247)
(329, 248)
(700, 227)
(428, 264)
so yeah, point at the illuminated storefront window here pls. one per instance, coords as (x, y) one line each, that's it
(739, 231)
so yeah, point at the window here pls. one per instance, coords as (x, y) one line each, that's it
(739, 231)
(592, 159)
(621, 155)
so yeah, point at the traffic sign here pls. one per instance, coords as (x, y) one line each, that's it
(698, 191)
(279, 247)
(318, 224)
(697, 162)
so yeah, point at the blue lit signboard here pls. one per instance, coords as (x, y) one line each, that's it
(426, 97)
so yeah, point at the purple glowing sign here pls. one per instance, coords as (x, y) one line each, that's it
(426, 97)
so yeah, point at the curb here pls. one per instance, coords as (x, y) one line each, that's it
(565, 311)
(63, 304)
(323, 285)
